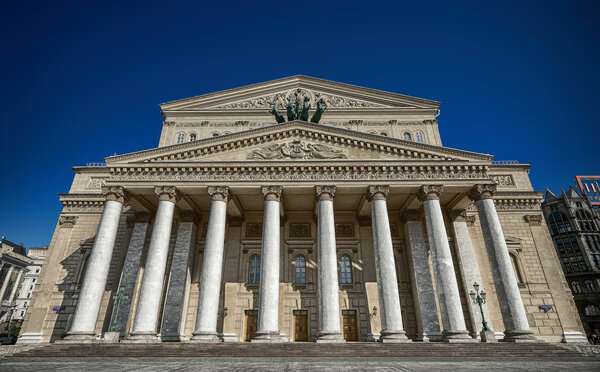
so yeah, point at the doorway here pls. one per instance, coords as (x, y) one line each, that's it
(301, 325)
(350, 325)
(251, 324)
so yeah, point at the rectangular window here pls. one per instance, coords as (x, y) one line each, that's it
(560, 246)
(574, 265)
(582, 265)
(567, 265)
(574, 244)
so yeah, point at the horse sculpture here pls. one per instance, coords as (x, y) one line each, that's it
(275, 111)
(321, 108)
(305, 109)
(291, 113)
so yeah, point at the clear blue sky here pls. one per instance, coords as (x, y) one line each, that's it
(82, 80)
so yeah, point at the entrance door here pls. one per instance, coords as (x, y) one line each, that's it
(350, 325)
(251, 324)
(300, 325)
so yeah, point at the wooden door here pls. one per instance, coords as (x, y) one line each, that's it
(350, 325)
(300, 325)
(251, 324)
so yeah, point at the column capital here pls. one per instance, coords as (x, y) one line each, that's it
(412, 215)
(377, 192)
(219, 193)
(67, 221)
(167, 193)
(429, 192)
(325, 192)
(272, 192)
(484, 191)
(533, 219)
(115, 193)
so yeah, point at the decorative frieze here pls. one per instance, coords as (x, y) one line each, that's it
(344, 230)
(219, 193)
(349, 172)
(296, 149)
(67, 221)
(213, 124)
(504, 180)
(96, 183)
(325, 192)
(429, 192)
(167, 193)
(300, 230)
(254, 230)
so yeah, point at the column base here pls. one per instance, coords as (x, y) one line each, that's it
(393, 337)
(457, 337)
(519, 336)
(228, 337)
(266, 337)
(142, 338)
(111, 337)
(329, 338)
(205, 337)
(573, 337)
(487, 336)
(80, 338)
(30, 338)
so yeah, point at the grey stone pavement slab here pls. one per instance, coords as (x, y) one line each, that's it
(297, 364)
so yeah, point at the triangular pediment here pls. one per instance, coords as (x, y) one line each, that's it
(336, 95)
(298, 141)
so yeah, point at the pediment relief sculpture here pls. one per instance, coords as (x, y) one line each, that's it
(296, 149)
(313, 97)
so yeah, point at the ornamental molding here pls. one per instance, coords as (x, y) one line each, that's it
(335, 123)
(82, 203)
(533, 219)
(503, 180)
(290, 172)
(296, 149)
(67, 221)
(332, 100)
(300, 130)
(96, 183)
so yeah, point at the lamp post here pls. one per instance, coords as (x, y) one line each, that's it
(118, 297)
(479, 299)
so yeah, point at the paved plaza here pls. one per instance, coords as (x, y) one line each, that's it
(298, 364)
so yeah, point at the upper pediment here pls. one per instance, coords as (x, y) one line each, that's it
(337, 96)
(297, 141)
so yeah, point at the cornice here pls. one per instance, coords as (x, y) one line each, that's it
(330, 134)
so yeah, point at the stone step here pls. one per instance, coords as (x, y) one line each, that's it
(538, 350)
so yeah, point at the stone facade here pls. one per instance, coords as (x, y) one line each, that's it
(575, 229)
(13, 267)
(30, 278)
(363, 227)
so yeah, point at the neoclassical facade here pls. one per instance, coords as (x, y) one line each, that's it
(362, 227)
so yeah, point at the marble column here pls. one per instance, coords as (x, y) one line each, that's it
(268, 309)
(146, 314)
(212, 267)
(516, 327)
(88, 305)
(469, 268)
(385, 268)
(179, 279)
(329, 296)
(453, 321)
(428, 322)
(131, 267)
(6, 281)
(15, 286)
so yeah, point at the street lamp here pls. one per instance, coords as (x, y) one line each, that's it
(479, 299)
(119, 298)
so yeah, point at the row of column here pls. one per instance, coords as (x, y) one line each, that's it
(147, 310)
(6, 281)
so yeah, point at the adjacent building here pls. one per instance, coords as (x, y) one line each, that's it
(575, 229)
(30, 279)
(258, 218)
(13, 265)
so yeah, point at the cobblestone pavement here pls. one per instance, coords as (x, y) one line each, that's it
(296, 364)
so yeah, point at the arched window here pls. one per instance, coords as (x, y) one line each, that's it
(585, 220)
(345, 270)
(589, 286)
(406, 136)
(192, 137)
(384, 134)
(215, 134)
(181, 138)
(559, 224)
(591, 310)
(576, 287)
(515, 265)
(254, 270)
(300, 270)
(419, 136)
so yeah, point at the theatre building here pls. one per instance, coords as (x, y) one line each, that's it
(258, 218)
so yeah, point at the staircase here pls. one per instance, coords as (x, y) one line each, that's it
(362, 349)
